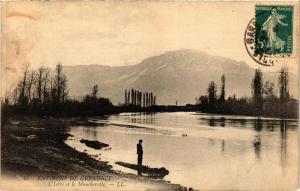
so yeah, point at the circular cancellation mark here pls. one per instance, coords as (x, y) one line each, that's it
(262, 58)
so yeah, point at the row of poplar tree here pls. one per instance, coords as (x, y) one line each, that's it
(138, 98)
(264, 100)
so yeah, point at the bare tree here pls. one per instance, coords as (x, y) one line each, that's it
(60, 85)
(23, 99)
(64, 88)
(30, 83)
(39, 83)
(45, 81)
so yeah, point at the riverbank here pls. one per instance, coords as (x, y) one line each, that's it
(34, 146)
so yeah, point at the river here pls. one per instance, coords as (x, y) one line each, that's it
(202, 151)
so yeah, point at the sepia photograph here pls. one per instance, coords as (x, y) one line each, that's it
(149, 95)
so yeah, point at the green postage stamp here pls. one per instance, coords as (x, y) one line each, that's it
(274, 29)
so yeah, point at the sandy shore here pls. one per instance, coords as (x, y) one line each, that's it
(34, 147)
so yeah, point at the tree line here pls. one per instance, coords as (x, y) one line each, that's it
(39, 86)
(139, 99)
(45, 92)
(264, 101)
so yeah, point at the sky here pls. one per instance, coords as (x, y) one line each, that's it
(116, 33)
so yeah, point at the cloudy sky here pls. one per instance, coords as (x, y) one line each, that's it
(115, 34)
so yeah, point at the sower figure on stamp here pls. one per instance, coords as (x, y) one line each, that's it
(139, 152)
(270, 26)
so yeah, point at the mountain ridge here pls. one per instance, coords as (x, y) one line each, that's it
(174, 75)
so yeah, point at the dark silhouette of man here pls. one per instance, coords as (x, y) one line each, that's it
(139, 152)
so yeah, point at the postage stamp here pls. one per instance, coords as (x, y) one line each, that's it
(269, 36)
(274, 29)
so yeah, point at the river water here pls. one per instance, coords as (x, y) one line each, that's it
(202, 151)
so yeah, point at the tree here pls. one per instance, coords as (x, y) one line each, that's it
(45, 84)
(257, 92)
(132, 96)
(95, 91)
(147, 99)
(125, 97)
(23, 100)
(151, 99)
(203, 100)
(64, 88)
(39, 84)
(144, 100)
(222, 96)
(30, 83)
(283, 85)
(212, 93)
(59, 85)
(140, 99)
(128, 97)
(283, 91)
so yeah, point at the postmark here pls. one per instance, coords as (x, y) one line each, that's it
(269, 36)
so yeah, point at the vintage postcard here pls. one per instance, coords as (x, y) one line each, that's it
(149, 95)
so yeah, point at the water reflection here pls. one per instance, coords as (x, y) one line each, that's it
(257, 146)
(223, 145)
(220, 145)
(141, 118)
(90, 132)
(283, 142)
(257, 123)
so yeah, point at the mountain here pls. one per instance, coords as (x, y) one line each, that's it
(175, 75)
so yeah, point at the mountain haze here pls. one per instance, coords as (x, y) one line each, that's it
(175, 75)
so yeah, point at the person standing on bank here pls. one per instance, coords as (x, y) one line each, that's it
(139, 152)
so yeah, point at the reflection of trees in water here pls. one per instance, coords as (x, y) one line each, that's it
(211, 122)
(223, 145)
(270, 124)
(283, 141)
(257, 151)
(141, 118)
(258, 124)
(92, 132)
(284, 125)
(243, 122)
(257, 146)
(237, 122)
(223, 122)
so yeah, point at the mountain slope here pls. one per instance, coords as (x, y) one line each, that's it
(178, 75)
